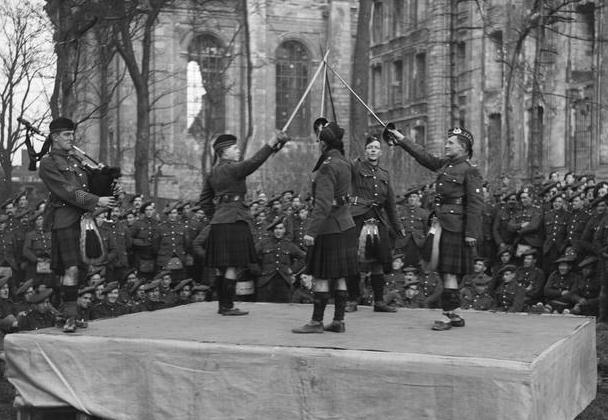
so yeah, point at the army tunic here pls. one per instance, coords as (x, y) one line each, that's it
(144, 235)
(587, 288)
(488, 246)
(458, 206)
(555, 224)
(533, 280)
(35, 320)
(8, 249)
(477, 301)
(500, 226)
(527, 225)
(414, 222)
(510, 297)
(172, 242)
(575, 225)
(556, 284)
(431, 287)
(279, 259)
(105, 309)
(37, 246)
(298, 230)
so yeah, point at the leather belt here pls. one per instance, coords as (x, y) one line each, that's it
(229, 198)
(448, 200)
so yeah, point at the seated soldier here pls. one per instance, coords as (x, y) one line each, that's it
(85, 298)
(110, 307)
(480, 265)
(477, 296)
(430, 287)
(302, 292)
(21, 296)
(8, 311)
(128, 281)
(531, 277)
(509, 294)
(166, 295)
(505, 255)
(559, 283)
(40, 314)
(585, 290)
(200, 293)
(184, 292)
(152, 301)
(394, 282)
(412, 296)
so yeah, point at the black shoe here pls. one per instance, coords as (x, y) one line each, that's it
(441, 326)
(351, 306)
(335, 326)
(383, 307)
(69, 326)
(455, 320)
(311, 328)
(232, 312)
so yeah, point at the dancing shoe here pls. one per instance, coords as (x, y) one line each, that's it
(69, 326)
(441, 326)
(383, 307)
(311, 328)
(455, 319)
(335, 326)
(232, 312)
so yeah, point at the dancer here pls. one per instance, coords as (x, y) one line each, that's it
(331, 235)
(457, 224)
(230, 245)
(375, 215)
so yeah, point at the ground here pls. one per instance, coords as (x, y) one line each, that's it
(597, 410)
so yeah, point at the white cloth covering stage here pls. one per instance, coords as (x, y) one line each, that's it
(190, 363)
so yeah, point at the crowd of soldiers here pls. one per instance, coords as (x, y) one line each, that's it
(543, 250)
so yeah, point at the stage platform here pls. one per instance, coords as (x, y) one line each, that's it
(190, 363)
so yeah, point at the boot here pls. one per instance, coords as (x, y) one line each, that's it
(311, 328)
(335, 326)
(351, 306)
(383, 307)
(377, 281)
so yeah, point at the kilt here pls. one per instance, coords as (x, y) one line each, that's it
(65, 248)
(230, 245)
(455, 256)
(383, 254)
(334, 255)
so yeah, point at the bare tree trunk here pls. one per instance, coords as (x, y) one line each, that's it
(142, 142)
(536, 136)
(360, 80)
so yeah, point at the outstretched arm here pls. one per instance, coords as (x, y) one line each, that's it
(417, 151)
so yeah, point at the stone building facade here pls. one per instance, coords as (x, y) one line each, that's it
(441, 63)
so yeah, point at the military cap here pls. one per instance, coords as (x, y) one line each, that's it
(414, 190)
(4, 280)
(464, 134)
(129, 272)
(132, 199)
(126, 212)
(196, 208)
(88, 289)
(61, 124)
(588, 261)
(597, 186)
(136, 285)
(181, 284)
(3, 218)
(142, 209)
(292, 192)
(36, 215)
(568, 173)
(181, 204)
(319, 124)
(110, 286)
(580, 194)
(170, 207)
(395, 256)
(152, 285)
(332, 135)
(161, 274)
(548, 187)
(508, 267)
(566, 258)
(276, 223)
(200, 288)
(510, 193)
(482, 259)
(39, 296)
(273, 200)
(504, 248)
(223, 141)
(23, 288)
(6, 203)
(530, 251)
(599, 200)
(371, 139)
(410, 282)
(410, 269)
(562, 196)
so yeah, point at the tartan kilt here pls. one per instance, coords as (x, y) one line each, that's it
(230, 245)
(382, 253)
(455, 256)
(334, 255)
(65, 248)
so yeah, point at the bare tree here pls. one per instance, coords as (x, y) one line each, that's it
(23, 62)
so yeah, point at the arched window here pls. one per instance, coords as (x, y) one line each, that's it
(206, 113)
(293, 68)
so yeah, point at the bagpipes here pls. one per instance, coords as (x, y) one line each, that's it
(102, 180)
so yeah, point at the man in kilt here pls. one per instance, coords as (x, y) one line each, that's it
(331, 237)
(374, 212)
(458, 204)
(230, 245)
(66, 178)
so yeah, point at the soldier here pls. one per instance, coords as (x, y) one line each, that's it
(84, 302)
(503, 236)
(152, 300)
(109, 307)
(414, 220)
(527, 224)
(555, 223)
(394, 282)
(184, 292)
(477, 295)
(173, 241)
(375, 215)
(199, 293)
(531, 278)
(558, 285)
(585, 291)
(458, 206)
(510, 295)
(488, 213)
(66, 178)
(8, 310)
(599, 208)
(144, 237)
(300, 222)
(480, 265)
(8, 249)
(577, 219)
(119, 236)
(431, 287)
(40, 314)
(22, 295)
(165, 293)
(230, 245)
(9, 209)
(279, 259)
(331, 235)
(37, 252)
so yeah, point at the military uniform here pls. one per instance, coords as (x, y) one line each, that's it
(37, 248)
(105, 309)
(298, 228)
(8, 250)
(556, 284)
(500, 226)
(144, 236)
(510, 297)
(431, 287)
(533, 280)
(173, 241)
(488, 246)
(35, 320)
(527, 225)
(584, 294)
(471, 298)
(555, 224)
(414, 222)
(575, 225)
(278, 259)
